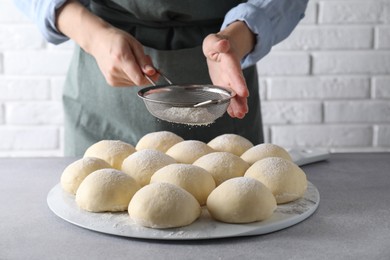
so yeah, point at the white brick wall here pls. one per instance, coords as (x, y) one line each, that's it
(327, 85)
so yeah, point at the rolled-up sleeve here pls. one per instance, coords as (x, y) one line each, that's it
(270, 20)
(43, 13)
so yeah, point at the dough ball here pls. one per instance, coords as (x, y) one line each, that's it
(106, 190)
(112, 151)
(142, 164)
(188, 151)
(222, 166)
(231, 143)
(161, 141)
(284, 178)
(163, 205)
(265, 150)
(193, 179)
(76, 172)
(241, 200)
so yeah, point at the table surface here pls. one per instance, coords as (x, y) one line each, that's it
(352, 221)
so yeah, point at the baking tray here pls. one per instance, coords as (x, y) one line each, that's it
(64, 206)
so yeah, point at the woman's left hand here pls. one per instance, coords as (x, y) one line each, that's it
(225, 71)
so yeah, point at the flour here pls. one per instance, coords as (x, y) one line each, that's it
(186, 115)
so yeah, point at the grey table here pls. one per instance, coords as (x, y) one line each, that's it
(352, 221)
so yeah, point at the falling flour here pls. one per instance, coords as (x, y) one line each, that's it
(187, 115)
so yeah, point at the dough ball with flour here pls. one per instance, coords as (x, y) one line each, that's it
(193, 179)
(76, 172)
(106, 190)
(231, 143)
(142, 164)
(163, 205)
(284, 178)
(112, 151)
(161, 141)
(265, 150)
(188, 151)
(222, 165)
(241, 200)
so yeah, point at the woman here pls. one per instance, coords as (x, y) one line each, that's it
(192, 42)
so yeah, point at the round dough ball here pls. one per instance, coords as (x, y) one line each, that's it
(265, 150)
(76, 172)
(193, 179)
(163, 205)
(188, 151)
(222, 166)
(106, 190)
(141, 165)
(161, 141)
(231, 143)
(284, 178)
(112, 151)
(241, 200)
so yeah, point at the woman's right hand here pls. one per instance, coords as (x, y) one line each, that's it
(120, 57)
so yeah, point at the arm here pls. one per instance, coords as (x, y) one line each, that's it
(247, 34)
(119, 56)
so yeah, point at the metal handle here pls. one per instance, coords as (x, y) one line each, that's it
(154, 83)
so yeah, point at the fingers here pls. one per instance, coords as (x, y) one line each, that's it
(238, 107)
(213, 45)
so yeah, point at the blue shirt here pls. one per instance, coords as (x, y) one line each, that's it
(270, 20)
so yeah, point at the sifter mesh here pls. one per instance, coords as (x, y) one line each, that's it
(186, 104)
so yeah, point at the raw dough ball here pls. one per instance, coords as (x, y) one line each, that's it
(141, 165)
(161, 141)
(193, 179)
(222, 166)
(75, 172)
(265, 150)
(284, 178)
(241, 200)
(231, 143)
(163, 205)
(112, 151)
(106, 190)
(188, 151)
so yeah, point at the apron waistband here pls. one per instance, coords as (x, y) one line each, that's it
(124, 19)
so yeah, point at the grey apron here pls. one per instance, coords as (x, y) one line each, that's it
(172, 32)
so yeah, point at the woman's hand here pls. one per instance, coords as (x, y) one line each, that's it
(224, 52)
(119, 55)
(121, 58)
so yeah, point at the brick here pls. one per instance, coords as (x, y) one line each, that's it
(382, 37)
(39, 63)
(20, 37)
(1, 114)
(351, 62)
(284, 63)
(34, 113)
(28, 138)
(263, 88)
(311, 37)
(383, 136)
(17, 88)
(348, 12)
(324, 87)
(10, 13)
(322, 136)
(357, 111)
(310, 14)
(1, 63)
(281, 112)
(381, 86)
(56, 86)
(266, 133)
